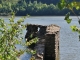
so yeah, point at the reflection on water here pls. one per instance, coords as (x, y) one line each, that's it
(69, 41)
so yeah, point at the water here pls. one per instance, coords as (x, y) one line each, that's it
(69, 41)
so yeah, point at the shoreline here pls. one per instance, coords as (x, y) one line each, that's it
(35, 15)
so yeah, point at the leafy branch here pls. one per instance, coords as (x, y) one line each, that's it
(70, 5)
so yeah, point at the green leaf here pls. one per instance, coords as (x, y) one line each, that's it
(62, 4)
(72, 4)
(59, 6)
(67, 16)
(31, 35)
(74, 28)
(78, 31)
(62, 0)
(77, 7)
(68, 21)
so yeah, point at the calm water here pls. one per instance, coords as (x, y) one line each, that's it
(69, 41)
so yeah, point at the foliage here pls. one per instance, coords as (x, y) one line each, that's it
(10, 35)
(32, 41)
(32, 58)
(71, 6)
(68, 20)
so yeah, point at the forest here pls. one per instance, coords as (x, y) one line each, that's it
(33, 8)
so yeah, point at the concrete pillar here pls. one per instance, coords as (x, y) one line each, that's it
(50, 47)
(52, 43)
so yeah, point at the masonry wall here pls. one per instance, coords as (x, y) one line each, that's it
(48, 45)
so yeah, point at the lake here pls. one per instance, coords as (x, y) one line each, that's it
(69, 41)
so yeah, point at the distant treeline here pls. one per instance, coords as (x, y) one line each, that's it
(32, 7)
(45, 1)
(49, 1)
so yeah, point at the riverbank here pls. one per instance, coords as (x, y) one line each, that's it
(23, 8)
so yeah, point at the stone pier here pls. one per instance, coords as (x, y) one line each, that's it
(47, 46)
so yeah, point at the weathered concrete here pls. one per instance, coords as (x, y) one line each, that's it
(48, 45)
(52, 43)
